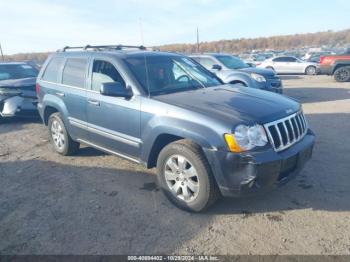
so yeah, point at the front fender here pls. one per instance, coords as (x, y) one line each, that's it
(200, 134)
(236, 77)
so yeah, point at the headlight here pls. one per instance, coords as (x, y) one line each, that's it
(245, 138)
(257, 77)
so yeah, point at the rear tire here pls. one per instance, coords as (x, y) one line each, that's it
(185, 176)
(310, 71)
(59, 137)
(342, 74)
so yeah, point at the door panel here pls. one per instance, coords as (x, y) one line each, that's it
(280, 67)
(113, 122)
(73, 92)
(75, 101)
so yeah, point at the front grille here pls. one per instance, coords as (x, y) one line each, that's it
(287, 131)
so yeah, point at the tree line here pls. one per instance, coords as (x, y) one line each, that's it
(287, 42)
(236, 46)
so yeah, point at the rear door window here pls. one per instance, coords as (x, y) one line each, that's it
(53, 69)
(280, 59)
(74, 72)
(291, 59)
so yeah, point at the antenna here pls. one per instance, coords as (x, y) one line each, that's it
(2, 54)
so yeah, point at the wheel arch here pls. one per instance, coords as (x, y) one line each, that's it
(160, 142)
(162, 136)
(338, 65)
(52, 105)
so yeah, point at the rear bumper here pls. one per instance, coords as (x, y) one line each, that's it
(253, 173)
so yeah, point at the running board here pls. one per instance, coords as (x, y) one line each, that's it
(108, 151)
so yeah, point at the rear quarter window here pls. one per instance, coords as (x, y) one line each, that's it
(74, 72)
(52, 70)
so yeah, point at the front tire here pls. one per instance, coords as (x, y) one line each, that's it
(185, 176)
(342, 74)
(310, 70)
(59, 137)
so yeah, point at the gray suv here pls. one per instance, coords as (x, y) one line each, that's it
(164, 110)
(232, 70)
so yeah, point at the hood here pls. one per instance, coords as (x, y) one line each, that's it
(24, 87)
(261, 71)
(233, 104)
(18, 83)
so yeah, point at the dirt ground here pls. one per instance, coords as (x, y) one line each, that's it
(95, 203)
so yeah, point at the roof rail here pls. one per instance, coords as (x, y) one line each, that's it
(101, 47)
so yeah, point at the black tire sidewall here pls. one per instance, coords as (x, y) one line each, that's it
(336, 73)
(58, 118)
(202, 199)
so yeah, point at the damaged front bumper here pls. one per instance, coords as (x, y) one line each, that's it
(16, 103)
(253, 173)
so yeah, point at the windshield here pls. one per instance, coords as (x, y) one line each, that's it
(231, 62)
(166, 74)
(16, 71)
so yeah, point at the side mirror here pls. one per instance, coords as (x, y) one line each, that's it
(115, 89)
(216, 67)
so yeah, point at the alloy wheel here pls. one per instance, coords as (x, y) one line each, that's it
(181, 178)
(311, 70)
(57, 134)
(342, 74)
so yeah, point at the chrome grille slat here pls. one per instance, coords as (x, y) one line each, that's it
(303, 120)
(296, 123)
(279, 135)
(286, 130)
(298, 129)
(300, 124)
(292, 127)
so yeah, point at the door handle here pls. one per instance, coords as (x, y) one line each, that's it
(93, 102)
(60, 94)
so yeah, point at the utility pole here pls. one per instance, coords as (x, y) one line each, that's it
(197, 40)
(2, 54)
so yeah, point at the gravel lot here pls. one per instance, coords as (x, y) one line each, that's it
(95, 203)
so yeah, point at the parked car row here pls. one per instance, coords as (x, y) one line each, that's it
(17, 81)
(206, 136)
(232, 70)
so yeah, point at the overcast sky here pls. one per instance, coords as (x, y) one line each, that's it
(38, 25)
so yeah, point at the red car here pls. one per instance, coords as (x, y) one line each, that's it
(337, 65)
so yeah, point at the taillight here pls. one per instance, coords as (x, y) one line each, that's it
(37, 88)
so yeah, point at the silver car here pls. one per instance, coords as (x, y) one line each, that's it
(289, 65)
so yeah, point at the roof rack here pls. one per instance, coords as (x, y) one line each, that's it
(101, 47)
